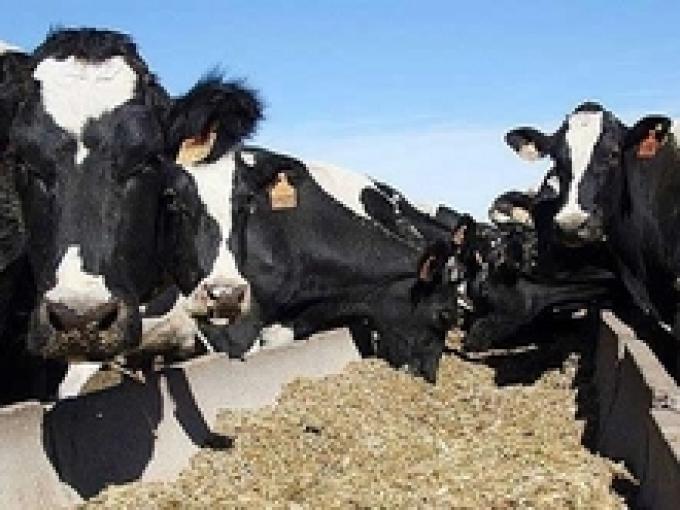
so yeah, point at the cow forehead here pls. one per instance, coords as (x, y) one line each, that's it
(583, 131)
(74, 91)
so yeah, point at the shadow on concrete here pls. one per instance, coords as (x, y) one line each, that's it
(109, 437)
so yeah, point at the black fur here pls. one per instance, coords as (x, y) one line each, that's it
(319, 266)
(231, 108)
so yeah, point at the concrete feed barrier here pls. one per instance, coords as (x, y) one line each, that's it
(58, 456)
(639, 414)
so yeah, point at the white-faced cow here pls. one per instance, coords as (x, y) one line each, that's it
(107, 214)
(617, 184)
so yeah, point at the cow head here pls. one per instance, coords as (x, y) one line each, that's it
(85, 148)
(205, 126)
(588, 166)
(586, 150)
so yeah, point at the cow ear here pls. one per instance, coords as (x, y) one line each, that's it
(529, 143)
(648, 135)
(212, 118)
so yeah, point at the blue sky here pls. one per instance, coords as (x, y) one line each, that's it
(416, 93)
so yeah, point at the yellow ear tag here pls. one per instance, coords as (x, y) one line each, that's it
(195, 149)
(283, 194)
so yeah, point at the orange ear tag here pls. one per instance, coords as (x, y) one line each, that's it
(283, 194)
(649, 146)
(195, 149)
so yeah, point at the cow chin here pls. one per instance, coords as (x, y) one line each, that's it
(87, 341)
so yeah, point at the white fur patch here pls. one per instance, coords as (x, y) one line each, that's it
(215, 186)
(529, 152)
(76, 377)
(498, 217)
(343, 185)
(553, 182)
(276, 335)
(8, 48)
(74, 91)
(675, 131)
(248, 158)
(174, 330)
(584, 130)
(76, 288)
(429, 209)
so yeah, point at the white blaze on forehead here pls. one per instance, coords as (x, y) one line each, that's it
(74, 91)
(215, 185)
(584, 130)
(248, 158)
(343, 185)
(76, 288)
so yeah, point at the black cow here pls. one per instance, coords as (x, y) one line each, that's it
(106, 213)
(525, 273)
(615, 187)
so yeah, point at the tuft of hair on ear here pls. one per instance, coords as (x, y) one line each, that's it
(229, 108)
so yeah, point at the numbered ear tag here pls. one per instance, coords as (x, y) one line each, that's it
(282, 194)
(195, 149)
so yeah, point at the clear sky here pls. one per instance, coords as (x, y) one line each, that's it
(416, 93)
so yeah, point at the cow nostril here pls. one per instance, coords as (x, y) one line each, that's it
(64, 318)
(60, 317)
(104, 316)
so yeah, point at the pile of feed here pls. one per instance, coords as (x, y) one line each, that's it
(373, 437)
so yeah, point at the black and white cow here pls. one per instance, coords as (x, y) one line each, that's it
(103, 207)
(203, 124)
(313, 259)
(615, 185)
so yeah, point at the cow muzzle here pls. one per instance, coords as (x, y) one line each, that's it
(97, 331)
(578, 229)
(219, 303)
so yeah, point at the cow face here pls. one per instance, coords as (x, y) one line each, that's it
(86, 145)
(204, 128)
(586, 151)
